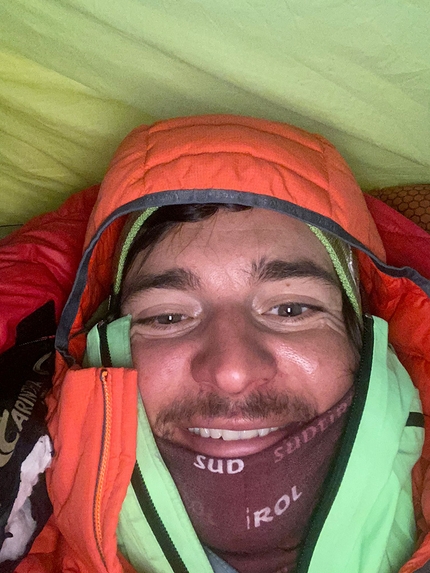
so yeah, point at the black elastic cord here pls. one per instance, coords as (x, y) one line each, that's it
(154, 520)
(415, 419)
(104, 344)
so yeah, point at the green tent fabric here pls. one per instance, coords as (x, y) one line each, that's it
(77, 75)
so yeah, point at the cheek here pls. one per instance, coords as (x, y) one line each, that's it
(317, 366)
(162, 373)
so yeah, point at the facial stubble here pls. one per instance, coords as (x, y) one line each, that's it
(256, 406)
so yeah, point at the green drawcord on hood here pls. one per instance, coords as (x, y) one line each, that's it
(345, 265)
(131, 235)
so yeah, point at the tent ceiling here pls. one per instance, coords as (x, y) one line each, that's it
(77, 75)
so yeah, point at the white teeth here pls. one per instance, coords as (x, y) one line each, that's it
(247, 434)
(230, 435)
(264, 432)
(215, 433)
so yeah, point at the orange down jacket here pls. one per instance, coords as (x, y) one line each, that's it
(188, 160)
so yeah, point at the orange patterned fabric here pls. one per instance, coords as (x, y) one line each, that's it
(412, 201)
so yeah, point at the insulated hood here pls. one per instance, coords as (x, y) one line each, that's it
(216, 159)
(239, 154)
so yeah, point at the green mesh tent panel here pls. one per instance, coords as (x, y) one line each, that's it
(77, 75)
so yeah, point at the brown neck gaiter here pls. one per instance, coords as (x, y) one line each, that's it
(254, 511)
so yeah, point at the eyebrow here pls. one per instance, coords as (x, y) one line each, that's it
(175, 279)
(277, 270)
(263, 271)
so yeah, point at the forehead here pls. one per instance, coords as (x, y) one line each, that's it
(234, 240)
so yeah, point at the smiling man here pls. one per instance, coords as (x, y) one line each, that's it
(249, 310)
(239, 336)
(229, 393)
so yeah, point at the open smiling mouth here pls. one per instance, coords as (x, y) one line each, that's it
(231, 435)
(222, 442)
(217, 426)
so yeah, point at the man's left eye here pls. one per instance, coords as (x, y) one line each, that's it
(290, 310)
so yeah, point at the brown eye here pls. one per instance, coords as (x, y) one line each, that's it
(290, 310)
(166, 319)
(167, 324)
(293, 310)
(162, 320)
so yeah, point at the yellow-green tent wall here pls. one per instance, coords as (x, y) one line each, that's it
(77, 75)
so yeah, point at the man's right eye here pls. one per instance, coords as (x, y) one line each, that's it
(162, 320)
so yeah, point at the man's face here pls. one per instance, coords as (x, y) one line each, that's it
(237, 332)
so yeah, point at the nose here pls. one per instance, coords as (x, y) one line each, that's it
(232, 357)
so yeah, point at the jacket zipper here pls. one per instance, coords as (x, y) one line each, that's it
(155, 522)
(103, 461)
(337, 470)
(141, 490)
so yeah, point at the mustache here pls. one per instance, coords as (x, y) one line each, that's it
(256, 405)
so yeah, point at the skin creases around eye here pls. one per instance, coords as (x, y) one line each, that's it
(164, 324)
